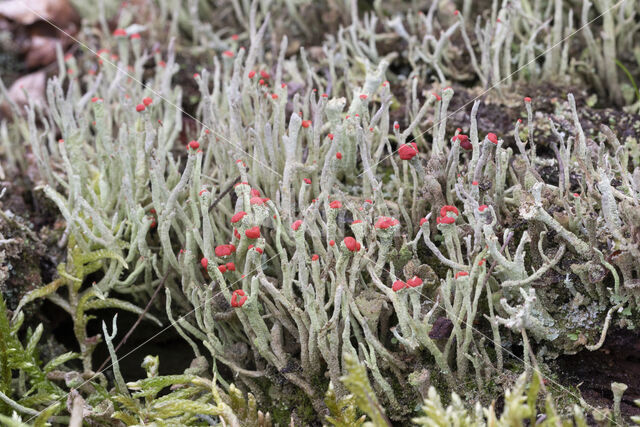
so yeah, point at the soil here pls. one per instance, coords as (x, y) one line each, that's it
(30, 221)
(617, 361)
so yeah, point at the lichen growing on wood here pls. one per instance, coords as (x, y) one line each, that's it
(331, 229)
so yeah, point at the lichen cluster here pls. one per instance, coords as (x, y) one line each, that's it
(330, 230)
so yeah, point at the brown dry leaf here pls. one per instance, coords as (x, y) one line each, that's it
(26, 12)
(42, 51)
(33, 84)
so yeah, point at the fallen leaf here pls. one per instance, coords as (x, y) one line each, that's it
(29, 87)
(441, 329)
(26, 12)
(42, 51)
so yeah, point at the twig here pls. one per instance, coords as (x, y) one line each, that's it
(135, 325)
(224, 193)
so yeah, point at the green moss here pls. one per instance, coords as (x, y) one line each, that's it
(293, 402)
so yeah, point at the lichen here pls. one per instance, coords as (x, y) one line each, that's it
(325, 219)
